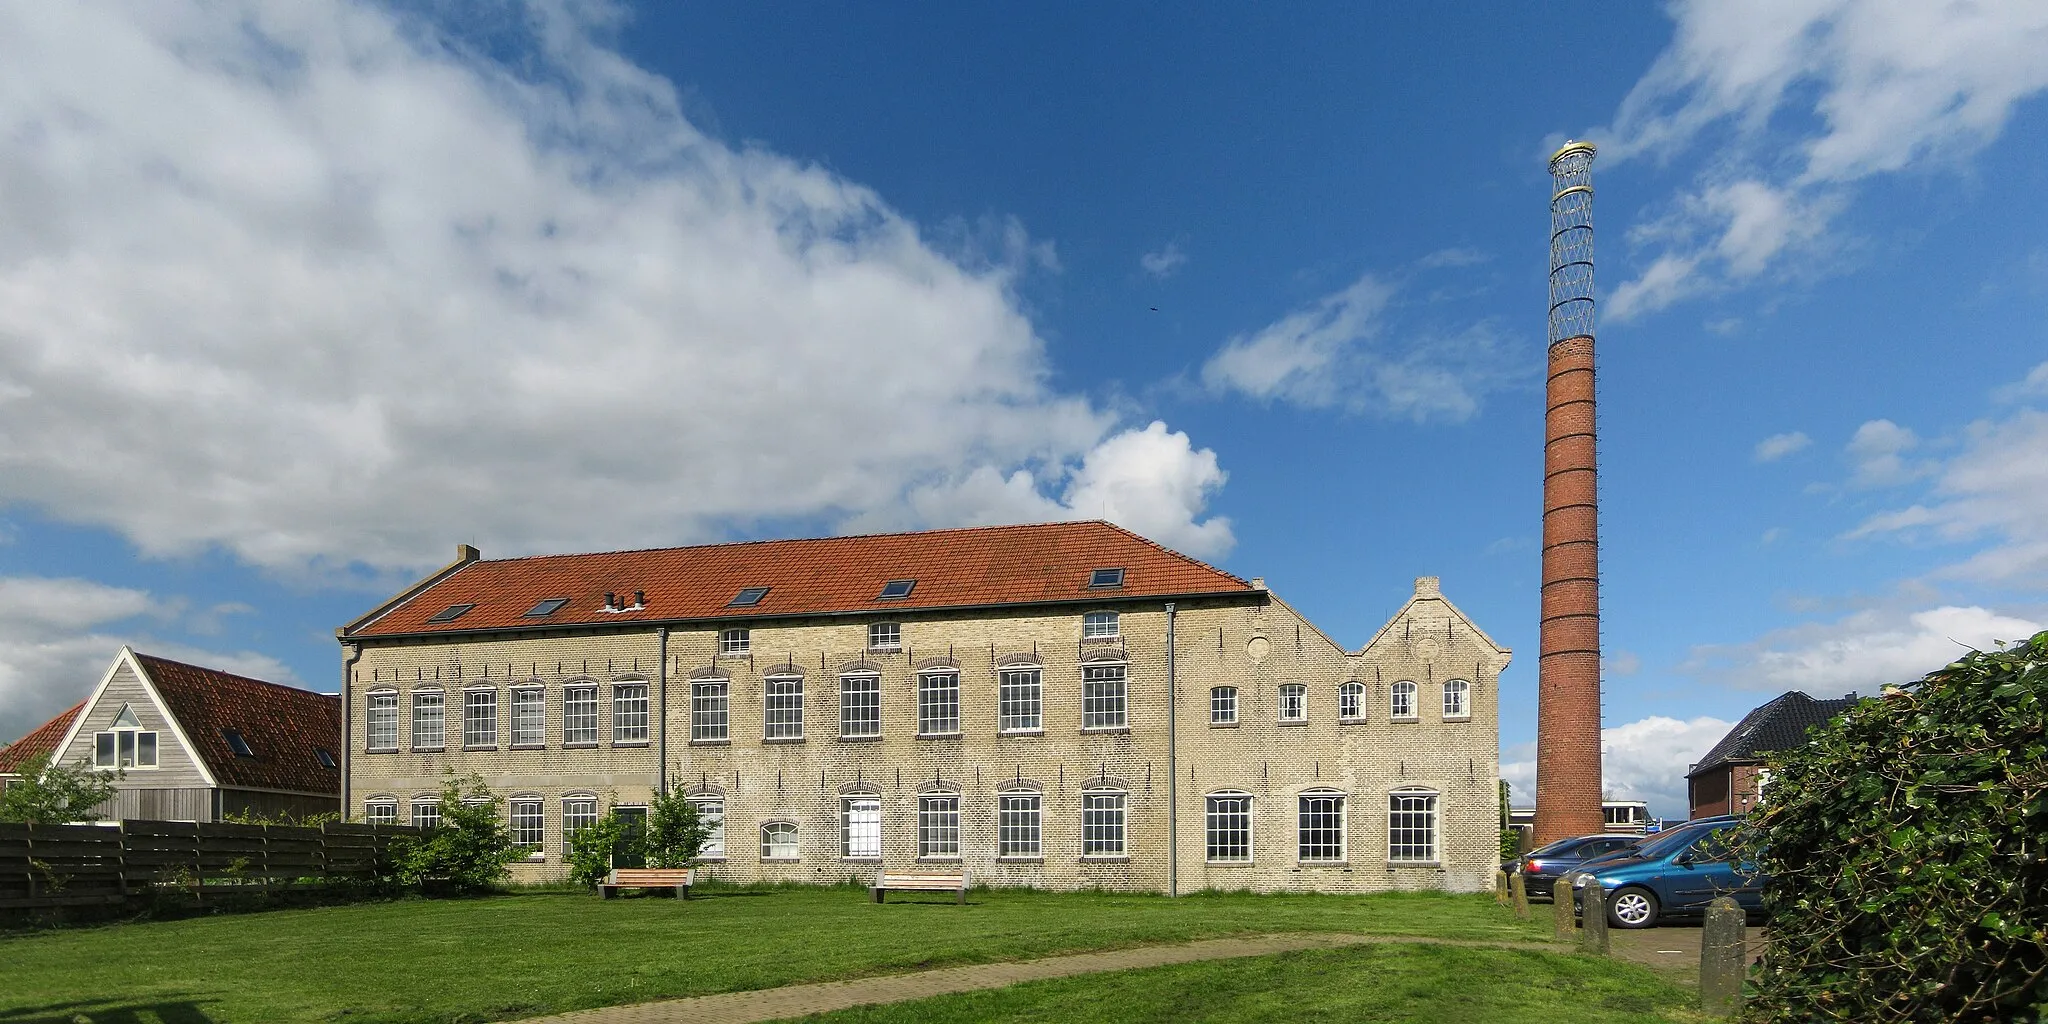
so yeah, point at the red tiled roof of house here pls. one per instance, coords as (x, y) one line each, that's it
(975, 567)
(43, 739)
(283, 726)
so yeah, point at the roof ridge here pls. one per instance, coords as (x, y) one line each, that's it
(987, 528)
(233, 675)
(1141, 538)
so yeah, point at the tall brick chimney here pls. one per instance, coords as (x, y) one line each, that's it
(1568, 665)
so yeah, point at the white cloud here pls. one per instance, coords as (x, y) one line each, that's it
(1454, 257)
(1877, 455)
(1642, 760)
(1993, 491)
(317, 284)
(2034, 385)
(1338, 352)
(1163, 262)
(1777, 446)
(1862, 650)
(57, 637)
(1772, 535)
(1891, 84)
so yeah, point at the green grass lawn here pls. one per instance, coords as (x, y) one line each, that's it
(1379, 983)
(527, 954)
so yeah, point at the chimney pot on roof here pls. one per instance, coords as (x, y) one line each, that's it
(466, 553)
(1258, 583)
(1428, 586)
(610, 599)
(639, 598)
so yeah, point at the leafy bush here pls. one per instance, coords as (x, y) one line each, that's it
(468, 851)
(676, 832)
(1907, 847)
(51, 793)
(591, 848)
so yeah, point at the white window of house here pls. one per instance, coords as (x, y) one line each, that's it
(711, 810)
(1102, 823)
(1017, 825)
(578, 813)
(860, 705)
(1020, 700)
(1351, 700)
(480, 718)
(1102, 697)
(1099, 625)
(1403, 699)
(426, 813)
(710, 711)
(529, 824)
(1457, 699)
(860, 826)
(1293, 702)
(784, 707)
(1223, 705)
(938, 703)
(779, 841)
(383, 721)
(429, 728)
(1229, 817)
(735, 641)
(1411, 826)
(126, 744)
(938, 827)
(1319, 826)
(381, 812)
(579, 715)
(529, 717)
(629, 712)
(885, 636)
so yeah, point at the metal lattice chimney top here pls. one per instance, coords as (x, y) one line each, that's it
(1571, 242)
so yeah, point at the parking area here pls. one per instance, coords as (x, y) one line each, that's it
(1672, 950)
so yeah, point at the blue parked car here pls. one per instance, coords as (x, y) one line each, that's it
(1674, 874)
(1539, 868)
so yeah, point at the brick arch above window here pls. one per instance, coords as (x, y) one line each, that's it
(1019, 661)
(786, 670)
(1019, 785)
(1103, 782)
(629, 677)
(942, 662)
(707, 672)
(861, 788)
(860, 667)
(945, 786)
(1105, 653)
(705, 789)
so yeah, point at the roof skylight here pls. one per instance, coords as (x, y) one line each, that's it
(450, 613)
(896, 590)
(546, 608)
(1102, 578)
(748, 598)
(326, 757)
(236, 743)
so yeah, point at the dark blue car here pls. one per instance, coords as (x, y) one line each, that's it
(1541, 867)
(1674, 874)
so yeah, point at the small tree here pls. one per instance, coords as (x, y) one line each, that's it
(51, 793)
(471, 846)
(591, 847)
(676, 831)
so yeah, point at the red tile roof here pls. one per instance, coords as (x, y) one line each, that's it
(43, 739)
(282, 724)
(976, 567)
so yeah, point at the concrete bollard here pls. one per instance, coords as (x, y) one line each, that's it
(1518, 893)
(1593, 920)
(1561, 910)
(1500, 888)
(1722, 957)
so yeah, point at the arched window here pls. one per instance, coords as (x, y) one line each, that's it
(381, 810)
(579, 713)
(1017, 823)
(1402, 698)
(784, 710)
(1351, 700)
(779, 841)
(1229, 825)
(1020, 699)
(860, 705)
(383, 722)
(938, 703)
(429, 724)
(629, 712)
(1293, 702)
(1102, 823)
(1411, 826)
(1319, 826)
(1223, 705)
(1457, 699)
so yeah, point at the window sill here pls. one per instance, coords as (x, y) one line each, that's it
(1105, 858)
(860, 739)
(955, 859)
(1457, 718)
(1291, 722)
(876, 859)
(1222, 725)
(736, 654)
(429, 750)
(1022, 732)
(1406, 719)
(1020, 860)
(1353, 720)
(580, 745)
(711, 743)
(954, 735)
(381, 750)
(1392, 864)
(782, 860)
(782, 739)
(1322, 864)
(1102, 638)
(629, 743)
(892, 649)
(479, 746)
(527, 746)
(1105, 730)
(1228, 864)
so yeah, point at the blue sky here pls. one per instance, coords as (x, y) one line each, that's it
(294, 297)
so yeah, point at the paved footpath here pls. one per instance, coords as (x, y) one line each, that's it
(823, 997)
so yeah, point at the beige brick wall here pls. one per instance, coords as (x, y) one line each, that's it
(1255, 644)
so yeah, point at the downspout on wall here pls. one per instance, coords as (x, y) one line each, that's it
(351, 653)
(661, 727)
(1172, 764)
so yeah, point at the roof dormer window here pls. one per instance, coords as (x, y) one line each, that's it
(1106, 579)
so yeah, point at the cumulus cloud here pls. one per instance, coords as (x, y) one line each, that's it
(1164, 261)
(1777, 446)
(1862, 650)
(1992, 492)
(1338, 352)
(1891, 84)
(1641, 760)
(57, 637)
(1877, 455)
(323, 285)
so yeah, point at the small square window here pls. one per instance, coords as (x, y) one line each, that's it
(735, 641)
(236, 743)
(450, 613)
(885, 636)
(1099, 625)
(1102, 578)
(748, 598)
(326, 757)
(896, 590)
(546, 608)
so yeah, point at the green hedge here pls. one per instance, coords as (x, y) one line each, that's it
(1907, 847)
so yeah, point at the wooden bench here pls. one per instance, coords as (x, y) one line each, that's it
(919, 882)
(679, 879)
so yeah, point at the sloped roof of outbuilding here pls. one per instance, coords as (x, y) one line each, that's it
(1779, 724)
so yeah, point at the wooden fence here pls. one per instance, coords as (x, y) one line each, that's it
(79, 865)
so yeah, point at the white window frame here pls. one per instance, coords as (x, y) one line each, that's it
(580, 727)
(776, 852)
(885, 636)
(380, 811)
(431, 805)
(1101, 626)
(938, 703)
(1412, 826)
(439, 706)
(1457, 700)
(527, 820)
(1227, 825)
(710, 710)
(782, 708)
(1350, 700)
(711, 810)
(380, 715)
(938, 826)
(579, 811)
(631, 727)
(737, 640)
(1312, 811)
(1105, 696)
(860, 827)
(860, 705)
(1020, 826)
(479, 730)
(1293, 702)
(1401, 701)
(529, 717)
(1105, 824)
(1020, 699)
(107, 746)
(1223, 705)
